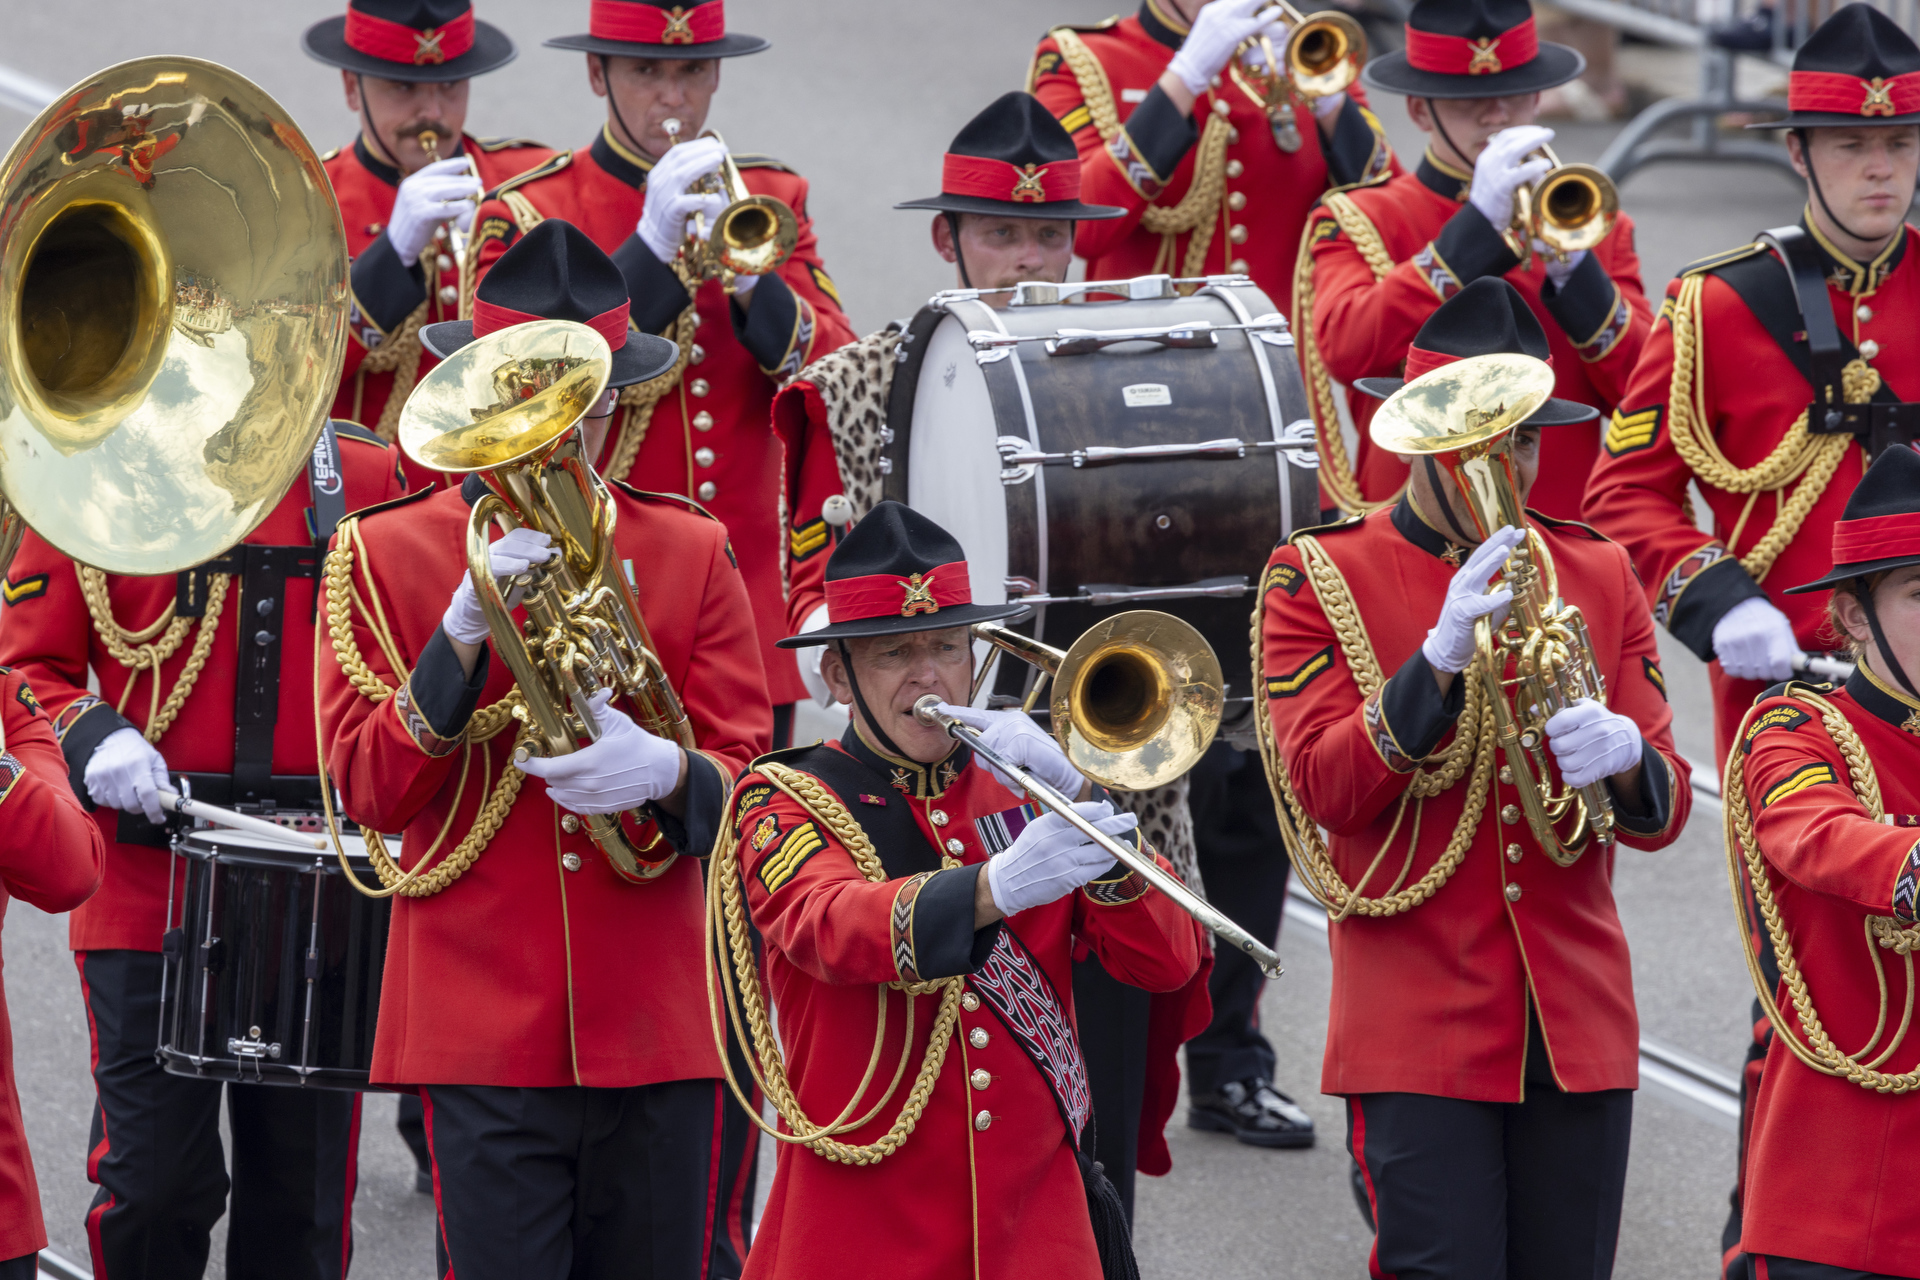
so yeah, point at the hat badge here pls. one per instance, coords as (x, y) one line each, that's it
(679, 30)
(1486, 57)
(1879, 98)
(919, 599)
(1028, 189)
(427, 49)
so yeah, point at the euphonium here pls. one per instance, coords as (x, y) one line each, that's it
(1463, 416)
(507, 407)
(1323, 57)
(1568, 208)
(753, 234)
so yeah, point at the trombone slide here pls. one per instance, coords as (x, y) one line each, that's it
(927, 709)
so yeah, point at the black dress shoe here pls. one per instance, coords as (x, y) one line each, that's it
(1254, 1112)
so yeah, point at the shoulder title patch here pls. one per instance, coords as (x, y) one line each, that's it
(1291, 684)
(787, 857)
(751, 798)
(23, 590)
(1628, 432)
(1651, 670)
(1788, 718)
(26, 699)
(1810, 775)
(1284, 577)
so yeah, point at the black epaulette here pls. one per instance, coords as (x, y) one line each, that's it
(1101, 25)
(1786, 687)
(491, 145)
(1724, 258)
(545, 169)
(424, 491)
(1554, 522)
(325, 156)
(752, 160)
(650, 494)
(346, 430)
(1347, 522)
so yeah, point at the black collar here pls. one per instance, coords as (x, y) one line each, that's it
(911, 778)
(1162, 25)
(1443, 179)
(1854, 276)
(1896, 709)
(1423, 535)
(626, 166)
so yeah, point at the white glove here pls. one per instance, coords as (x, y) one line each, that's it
(624, 769)
(1328, 107)
(1449, 646)
(1276, 32)
(1014, 735)
(126, 773)
(1754, 641)
(669, 206)
(436, 194)
(1590, 742)
(513, 553)
(1217, 32)
(1052, 858)
(1499, 172)
(808, 660)
(1558, 271)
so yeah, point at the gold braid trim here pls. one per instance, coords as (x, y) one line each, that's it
(1473, 740)
(738, 976)
(136, 650)
(1881, 933)
(400, 356)
(641, 399)
(1336, 469)
(1800, 455)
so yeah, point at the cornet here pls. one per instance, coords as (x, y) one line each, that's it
(1323, 57)
(457, 239)
(1571, 207)
(753, 234)
(1464, 416)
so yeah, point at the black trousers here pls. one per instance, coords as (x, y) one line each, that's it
(157, 1160)
(24, 1267)
(1767, 1267)
(1493, 1191)
(1112, 1021)
(546, 1184)
(1244, 867)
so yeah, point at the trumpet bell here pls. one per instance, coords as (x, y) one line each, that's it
(1574, 207)
(1325, 54)
(755, 235)
(173, 311)
(1137, 699)
(1459, 406)
(532, 383)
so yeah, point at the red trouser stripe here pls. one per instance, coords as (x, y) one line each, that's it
(1366, 1176)
(739, 1211)
(103, 1146)
(439, 1217)
(713, 1176)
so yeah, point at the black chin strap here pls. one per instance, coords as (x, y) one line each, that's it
(613, 104)
(1433, 112)
(1864, 594)
(959, 255)
(1440, 496)
(885, 744)
(366, 120)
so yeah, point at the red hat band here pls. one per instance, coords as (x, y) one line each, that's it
(1420, 361)
(1876, 538)
(1853, 96)
(634, 23)
(888, 595)
(1001, 180)
(491, 318)
(1462, 56)
(392, 41)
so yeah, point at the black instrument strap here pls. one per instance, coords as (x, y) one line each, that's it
(903, 847)
(326, 485)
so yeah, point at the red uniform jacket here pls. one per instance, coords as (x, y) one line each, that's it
(1438, 243)
(46, 632)
(51, 855)
(1139, 153)
(523, 971)
(385, 293)
(710, 436)
(1750, 394)
(987, 1184)
(1434, 1000)
(1829, 1173)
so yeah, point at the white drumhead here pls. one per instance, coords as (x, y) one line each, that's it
(953, 468)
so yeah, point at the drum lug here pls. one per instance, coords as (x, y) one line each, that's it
(1011, 447)
(992, 355)
(252, 1047)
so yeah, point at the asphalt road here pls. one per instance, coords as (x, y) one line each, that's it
(862, 96)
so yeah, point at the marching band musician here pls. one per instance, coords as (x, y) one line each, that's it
(701, 431)
(1826, 1187)
(406, 67)
(1385, 257)
(191, 686)
(959, 880)
(1482, 1026)
(51, 855)
(571, 1107)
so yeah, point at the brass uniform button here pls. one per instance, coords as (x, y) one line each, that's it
(698, 387)
(1237, 201)
(571, 861)
(1506, 775)
(955, 848)
(982, 1120)
(978, 1037)
(1864, 311)
(703, 456)
(1233, 137)
(698, 319)
(448, 295)
(569, 822)
(1513, 853)
(1869, 349)
(1237, 234)
(1238, 266)
(1221, 109)
(969, 1001)
(1235, 168)
(445, 264)
(1509, 813)
(938, 818)
(980, 1078)
(703, 421)
(1513, 893)
(707, 491)
(697, 354)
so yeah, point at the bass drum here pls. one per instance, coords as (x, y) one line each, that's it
(1099, 456)
(274, 975)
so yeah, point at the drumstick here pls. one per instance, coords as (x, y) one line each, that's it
(174, 802)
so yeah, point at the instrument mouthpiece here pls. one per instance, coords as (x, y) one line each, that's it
(671, 127)
(923, 709)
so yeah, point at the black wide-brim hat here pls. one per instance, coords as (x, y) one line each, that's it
(1472, 49)
(407, 40)
(555, 272)
(1013, 160)
(897, 571)
(1858, 69)
(653, 29)
(1488, 317)
(1880, 528)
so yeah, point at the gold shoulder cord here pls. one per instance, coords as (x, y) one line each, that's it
(400, 356)
(739, 980)
(1800, 455)
(1473, 741)
(138, 651)
(1336, 470)
(640, 399)
(1881, 933)
(487, 723)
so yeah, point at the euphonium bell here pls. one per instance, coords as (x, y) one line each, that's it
(1136, 700)
(507, 407)
(1569, 208)
(1463, 416)
(752, 236)
(1324, 55)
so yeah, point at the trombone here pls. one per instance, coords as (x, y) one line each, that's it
(753, 234)
(1136, 701)
(1572, 207)
(1323, 56)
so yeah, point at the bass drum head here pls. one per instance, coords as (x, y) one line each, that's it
(953, 467)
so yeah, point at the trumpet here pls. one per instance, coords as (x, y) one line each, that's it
(457, 239)
(1136, 701)
(1570, 208)
(753, 234)
(584, 631)
(1463, 416)
(1323, 57)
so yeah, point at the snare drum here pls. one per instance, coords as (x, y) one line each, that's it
(273, 976)
(1098, 456)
